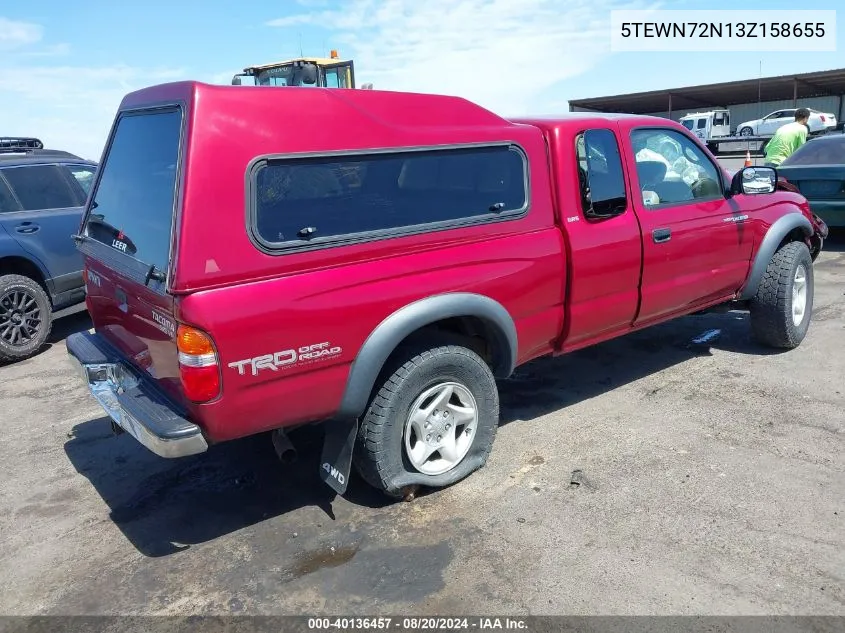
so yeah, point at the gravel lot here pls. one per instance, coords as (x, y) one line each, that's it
(707, 481)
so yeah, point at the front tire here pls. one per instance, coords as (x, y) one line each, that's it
(781, 309)
(432, 421)
(25, 318)
(746, 131)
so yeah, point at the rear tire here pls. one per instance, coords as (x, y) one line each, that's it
(782, 307)
(432, 421)
(26, 317)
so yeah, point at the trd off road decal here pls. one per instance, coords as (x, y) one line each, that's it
(304, 355)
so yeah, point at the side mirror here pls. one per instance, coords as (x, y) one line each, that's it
(754, 180)
(236, 80)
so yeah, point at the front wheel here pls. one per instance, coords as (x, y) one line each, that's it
(432, 421)
(746, 131)
(781, 309)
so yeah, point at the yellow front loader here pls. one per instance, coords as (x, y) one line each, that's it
(322, 72)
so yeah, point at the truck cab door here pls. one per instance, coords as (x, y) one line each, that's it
(603, 235)
(696, 242)
(702, 128)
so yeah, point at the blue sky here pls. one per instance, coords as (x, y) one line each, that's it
(64, 66)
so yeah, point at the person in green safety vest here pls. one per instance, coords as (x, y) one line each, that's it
(788, 138)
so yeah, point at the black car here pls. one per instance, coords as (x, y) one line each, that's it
(817, 169)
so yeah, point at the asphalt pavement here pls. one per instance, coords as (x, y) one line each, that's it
(643, 476)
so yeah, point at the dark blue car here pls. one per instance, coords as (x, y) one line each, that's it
(42, 193)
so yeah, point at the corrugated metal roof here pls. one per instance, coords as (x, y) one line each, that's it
(815, 84)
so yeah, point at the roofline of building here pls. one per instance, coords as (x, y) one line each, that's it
(794, 86)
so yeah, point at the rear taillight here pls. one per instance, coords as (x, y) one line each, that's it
(198, 366)
(821, 116)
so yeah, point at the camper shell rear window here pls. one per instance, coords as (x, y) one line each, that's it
(134, 200)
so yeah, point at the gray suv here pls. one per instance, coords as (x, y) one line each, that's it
(42, 193)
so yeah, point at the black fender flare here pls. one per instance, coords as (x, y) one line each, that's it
(774, 236)
(387, 336)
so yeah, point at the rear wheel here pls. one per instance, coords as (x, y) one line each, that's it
(781, 309)
(25, 317)
(432, 421)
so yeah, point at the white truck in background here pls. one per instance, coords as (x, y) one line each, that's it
(708, 125)
(713, 127)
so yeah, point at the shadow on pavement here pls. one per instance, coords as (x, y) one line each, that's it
(550, 384)
(67, 324)
(835, 242)
(165, 506)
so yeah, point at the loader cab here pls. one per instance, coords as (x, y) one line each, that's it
(317, 72)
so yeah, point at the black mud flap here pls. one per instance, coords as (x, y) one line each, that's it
(336, 461)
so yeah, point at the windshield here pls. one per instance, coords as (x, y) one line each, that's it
(827, 151)
(286, 75)
(687, 124)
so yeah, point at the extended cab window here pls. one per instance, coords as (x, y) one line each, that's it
(672, 169)
(332, 196)
(600, 174)
(40, 187)
(133, 202)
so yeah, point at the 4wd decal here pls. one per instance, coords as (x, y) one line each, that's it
(334, 472)
(301, 356)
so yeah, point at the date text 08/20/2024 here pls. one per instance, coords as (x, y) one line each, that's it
(416, 623)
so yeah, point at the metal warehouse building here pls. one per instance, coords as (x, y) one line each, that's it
(747, 99)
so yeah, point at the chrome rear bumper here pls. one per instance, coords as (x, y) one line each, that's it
(131, 400)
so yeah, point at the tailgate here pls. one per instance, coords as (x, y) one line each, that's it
(127, 240)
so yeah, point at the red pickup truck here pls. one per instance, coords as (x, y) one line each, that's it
(373, 261)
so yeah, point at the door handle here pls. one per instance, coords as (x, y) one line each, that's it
(27, 227)
(661, 235)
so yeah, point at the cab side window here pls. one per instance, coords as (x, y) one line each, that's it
(672, 169)
(336, 77)
(600, 176)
